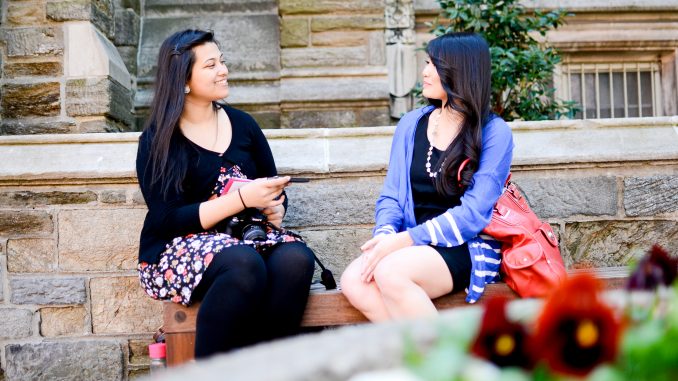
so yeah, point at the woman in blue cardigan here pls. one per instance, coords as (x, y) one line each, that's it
(429, 215)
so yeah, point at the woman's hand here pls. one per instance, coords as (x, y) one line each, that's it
(264, 192)
(275, 214)
(380, 246)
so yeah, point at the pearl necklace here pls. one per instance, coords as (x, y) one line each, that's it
(430, 150)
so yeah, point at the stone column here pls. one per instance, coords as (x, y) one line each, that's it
(60, 71)
(400, 55)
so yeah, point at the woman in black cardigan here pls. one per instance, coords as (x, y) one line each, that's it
(200, 241)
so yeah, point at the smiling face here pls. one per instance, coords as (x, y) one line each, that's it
(432, 87)
(209, 75)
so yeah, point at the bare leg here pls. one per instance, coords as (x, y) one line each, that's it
(409, 278)
(365, 297)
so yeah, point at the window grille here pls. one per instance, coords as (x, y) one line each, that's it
(612, 90)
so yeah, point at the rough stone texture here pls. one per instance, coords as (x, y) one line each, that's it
(119, 305)
(126, 27)
(15, 323)
(649, 196)
(345, 56)
(138, 198)
(31, 127)
(141, 374)
(554, 197)
(97, 96)
(157, 8)
(3, 266)
(102, 16)
(76, 360)
(63, 321)
(113, 197)
(316, 119)
(340, 38)
(349, 22)
(138, 351)
(336, 248)
(294, 32)
(28, 255)
(26, 42)
(252, 41)
(30, 198)
(25, 13)
(34, 99)
(333, 202)
(25, 222)
(102, 124)
(330, 6)
(48, 291)
(374, 117)
(68, 10)
(615, 243)
(129, 57)
(99, 240)
(377, 47)
(33, 69)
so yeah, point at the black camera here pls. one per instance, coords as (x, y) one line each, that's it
(248, 225)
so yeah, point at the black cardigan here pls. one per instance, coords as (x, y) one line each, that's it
(177, 214)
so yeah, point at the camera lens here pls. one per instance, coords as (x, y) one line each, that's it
(253, 233)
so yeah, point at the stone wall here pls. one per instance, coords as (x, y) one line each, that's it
(60, 73)
(71, 212)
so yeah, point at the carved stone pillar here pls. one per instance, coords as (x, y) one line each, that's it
(400, 54)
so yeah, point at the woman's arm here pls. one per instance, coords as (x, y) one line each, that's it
(461, 223)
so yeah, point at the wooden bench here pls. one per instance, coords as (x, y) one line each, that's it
(330, 308)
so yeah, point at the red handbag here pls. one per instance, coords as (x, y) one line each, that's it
(531, 262)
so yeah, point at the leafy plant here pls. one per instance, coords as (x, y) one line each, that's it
(522, 66)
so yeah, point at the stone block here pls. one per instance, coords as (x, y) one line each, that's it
(250, 42)
(33, 127)
(127, 27)
(34, 99)
(340, 38)
(100, 360)
(377, 46)
(25, 13)
(99, 240)
(318, 119)
(113, 197)
(31, 198)
(63, 321)
(330, 6)
(294, 32)
(25, 222)
(132, 4)
(3, 266)
(31, 255)
(69, 10)
(28, 42)
(159, 8)
(119, 305)
(138, 351)
(138, 374)
(556, 197)
(347, 22)
(138, 198)
(103, 124)
(332, 89)
(337, 247)
(650, 196)
(48, 290)
(129, 57)
(342, 56)
(15, 323)
(346, 201)
(99, 96)
(379, 116)
(33, 69)
(102, 17)
(615, 243)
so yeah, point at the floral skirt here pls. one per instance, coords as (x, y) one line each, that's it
(186, 258)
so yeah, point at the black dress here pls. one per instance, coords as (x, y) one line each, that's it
(429, 204)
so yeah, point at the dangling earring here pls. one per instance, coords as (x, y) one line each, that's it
(187, 89)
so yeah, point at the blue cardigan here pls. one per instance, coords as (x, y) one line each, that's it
(463, 223)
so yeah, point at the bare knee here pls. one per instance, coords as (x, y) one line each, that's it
(351, 284)
(391, 281)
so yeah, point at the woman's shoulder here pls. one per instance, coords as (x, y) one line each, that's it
(237, 115)
(496, 125)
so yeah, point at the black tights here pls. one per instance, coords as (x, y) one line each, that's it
(247, 298)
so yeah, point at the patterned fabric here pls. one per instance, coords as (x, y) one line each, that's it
(186, 258)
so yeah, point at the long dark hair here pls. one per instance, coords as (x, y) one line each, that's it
(175, 63)
(463, 64)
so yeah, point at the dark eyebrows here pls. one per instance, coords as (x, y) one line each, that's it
(221, 56)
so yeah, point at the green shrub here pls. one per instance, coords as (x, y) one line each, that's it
(522, 67)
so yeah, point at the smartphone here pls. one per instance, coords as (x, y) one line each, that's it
(299, 179)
